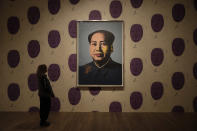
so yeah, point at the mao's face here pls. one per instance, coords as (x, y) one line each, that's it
(99, 50)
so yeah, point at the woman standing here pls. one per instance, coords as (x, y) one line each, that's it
(45, 93)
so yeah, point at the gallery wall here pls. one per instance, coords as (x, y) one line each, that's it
(160, 55)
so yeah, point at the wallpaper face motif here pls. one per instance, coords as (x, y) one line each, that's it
(160, 55)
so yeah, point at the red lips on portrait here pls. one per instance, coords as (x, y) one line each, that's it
(99, 55)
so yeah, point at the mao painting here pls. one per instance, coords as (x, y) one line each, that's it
(100, 53)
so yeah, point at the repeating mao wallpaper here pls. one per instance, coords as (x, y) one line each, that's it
(160, 55)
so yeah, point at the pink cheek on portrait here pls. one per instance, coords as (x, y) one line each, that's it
(92, 52)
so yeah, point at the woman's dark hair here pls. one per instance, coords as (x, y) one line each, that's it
(109, 37)
(42, 69)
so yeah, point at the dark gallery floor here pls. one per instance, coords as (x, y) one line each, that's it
(97, 121)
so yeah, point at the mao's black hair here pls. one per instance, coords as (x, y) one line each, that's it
(109, 37)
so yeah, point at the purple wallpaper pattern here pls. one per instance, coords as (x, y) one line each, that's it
(54, 72)
(33, 15)
(13, 91)
(33, 48)
(13, 58)
(13, 24)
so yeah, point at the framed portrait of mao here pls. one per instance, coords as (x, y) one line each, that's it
(100, 54)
